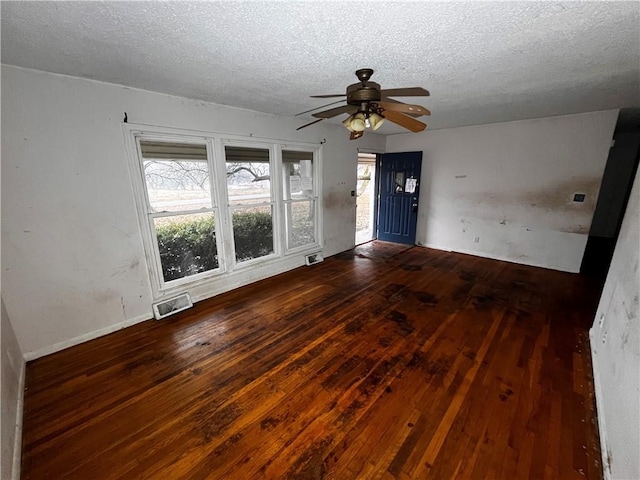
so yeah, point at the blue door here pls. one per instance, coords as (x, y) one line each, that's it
(398, 196)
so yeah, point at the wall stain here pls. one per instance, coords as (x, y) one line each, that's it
(578, 228)
(335, 200)
(560, 196)
(554, 199)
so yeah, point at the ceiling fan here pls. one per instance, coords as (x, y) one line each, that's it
(369, 106)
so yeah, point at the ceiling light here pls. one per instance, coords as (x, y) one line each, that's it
(376, 121)
(347, 123)
(358, 122)
(367, 117)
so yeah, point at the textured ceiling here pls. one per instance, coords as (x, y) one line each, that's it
(483, 62)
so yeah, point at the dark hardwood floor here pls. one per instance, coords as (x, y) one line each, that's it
(383, 362)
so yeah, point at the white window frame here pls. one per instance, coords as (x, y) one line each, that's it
(315, 199)
(275, 217)
(146, 215)
(216, 161)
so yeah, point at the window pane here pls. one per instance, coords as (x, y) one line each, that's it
(177, 185)
(300, 224)
(253, 232)
(248, 175)
(187, 244)
(298, 174)
(399, 187)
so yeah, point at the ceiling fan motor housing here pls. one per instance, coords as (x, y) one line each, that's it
(357, 94)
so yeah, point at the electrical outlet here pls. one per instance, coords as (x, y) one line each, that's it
(476, 239)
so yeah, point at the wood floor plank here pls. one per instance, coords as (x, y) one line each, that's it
(384, 362)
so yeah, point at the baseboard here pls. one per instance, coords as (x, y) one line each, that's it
(206, 290)
(602, 431)
(28, 356)
(17, 441)
(498, 257)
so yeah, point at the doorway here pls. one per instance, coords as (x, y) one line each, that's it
(615, 189)
(366, 198)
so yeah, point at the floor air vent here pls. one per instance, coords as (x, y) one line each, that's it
(172, 305)
(313, 258)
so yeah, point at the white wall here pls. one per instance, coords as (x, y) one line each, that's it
(73, 260)
(509, 186)
(615, 349)
(12, 382)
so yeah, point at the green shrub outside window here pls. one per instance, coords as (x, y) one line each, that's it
(189, 247)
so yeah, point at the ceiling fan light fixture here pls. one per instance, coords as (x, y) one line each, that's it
(358, 122)
(369, 106)
(347, 123)
(376, 121)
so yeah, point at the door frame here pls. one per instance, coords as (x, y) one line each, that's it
(376, 207)
(373, 185)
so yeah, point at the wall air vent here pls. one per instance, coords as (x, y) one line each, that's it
(313, 258)
(172, 305)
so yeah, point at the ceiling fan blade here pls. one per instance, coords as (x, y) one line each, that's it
(330, 96)
(317, 108)
(391, 100)
(332, 112)
(356, 135)
(311, 123)
(414, 110)
(404, 120)
(405, 92)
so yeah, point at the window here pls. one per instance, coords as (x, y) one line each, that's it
(180, 208)
(299, 198)
(250, 201)
(211, 208)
